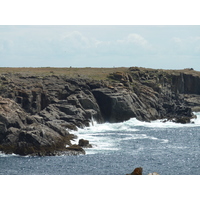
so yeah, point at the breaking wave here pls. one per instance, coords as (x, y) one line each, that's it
(107, 137)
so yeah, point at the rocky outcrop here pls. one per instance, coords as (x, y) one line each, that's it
(84, 143)
(136, 171)
(24, 134)
(139, 170)
(37, 111)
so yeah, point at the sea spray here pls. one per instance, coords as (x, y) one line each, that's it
(171, 149)
(106, 137)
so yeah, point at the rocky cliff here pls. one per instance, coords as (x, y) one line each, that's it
(36, 111)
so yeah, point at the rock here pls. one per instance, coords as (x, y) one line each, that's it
(154, 173)
(182, 120)
(36, 110)
(84, 143)
(75, 147)
(137, 171)
(20, 133)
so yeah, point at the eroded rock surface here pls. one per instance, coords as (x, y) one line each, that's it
(36, 111)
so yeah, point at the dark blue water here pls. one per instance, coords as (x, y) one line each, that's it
(166, 148)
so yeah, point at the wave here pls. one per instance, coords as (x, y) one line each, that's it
(134, 125)
(106, 137)
(2, 154)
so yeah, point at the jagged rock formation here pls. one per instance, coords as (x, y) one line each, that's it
(24, 134)
(36, 110)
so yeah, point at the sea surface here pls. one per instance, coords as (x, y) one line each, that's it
(166, 148)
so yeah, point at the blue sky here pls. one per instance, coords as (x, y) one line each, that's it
(151, 46)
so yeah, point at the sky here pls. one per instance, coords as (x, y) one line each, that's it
(136, 33)
(150, 46)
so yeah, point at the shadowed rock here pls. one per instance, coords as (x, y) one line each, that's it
(36, 110)
(84, 143)
(137, 171)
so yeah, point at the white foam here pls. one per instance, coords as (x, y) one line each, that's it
(102, 136)
(167, 124)
(7, 155)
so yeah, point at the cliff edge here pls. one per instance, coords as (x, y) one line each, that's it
(37, 108)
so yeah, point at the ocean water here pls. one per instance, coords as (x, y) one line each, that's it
(166, 148)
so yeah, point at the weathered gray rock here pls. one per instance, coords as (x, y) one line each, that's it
(35, 111)
(76, 148)
(18, 135)
(84, 143)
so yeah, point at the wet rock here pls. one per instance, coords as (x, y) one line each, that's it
(182, 120)
(137, 171)
(75, 147)
(84, 143)
(35, 111)
(20, 133)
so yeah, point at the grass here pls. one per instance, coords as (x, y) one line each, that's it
(87, 72)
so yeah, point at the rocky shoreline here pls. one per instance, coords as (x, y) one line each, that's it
(37, 111)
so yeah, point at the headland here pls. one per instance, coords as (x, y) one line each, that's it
(38, 106)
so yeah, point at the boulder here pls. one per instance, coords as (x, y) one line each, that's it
(76, 148)
(182, 120)
(84, 143)
(137, 171)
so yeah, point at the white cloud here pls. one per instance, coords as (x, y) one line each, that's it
(97, 45)
(75, 43)
(135, 39)
(75, 39)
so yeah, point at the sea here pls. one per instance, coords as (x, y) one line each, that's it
(118, 148)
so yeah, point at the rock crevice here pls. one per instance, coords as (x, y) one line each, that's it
(36, 112)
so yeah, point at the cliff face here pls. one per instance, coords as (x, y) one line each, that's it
(189, 86)
(51, 104)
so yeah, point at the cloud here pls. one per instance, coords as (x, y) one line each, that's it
(74, 41)
(63, 43)
(97, 45)
(135, 39)
(131, 44)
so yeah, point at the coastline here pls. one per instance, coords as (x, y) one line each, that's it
(38, 105)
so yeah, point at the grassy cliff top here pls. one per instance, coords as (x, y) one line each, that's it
(86, 72)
